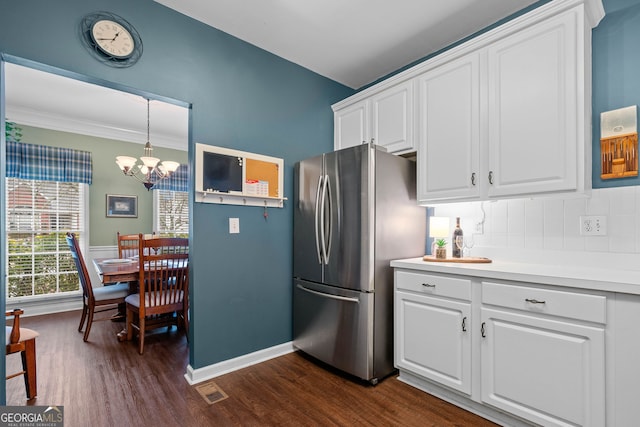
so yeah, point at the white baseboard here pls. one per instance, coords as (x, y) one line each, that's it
(194, 376)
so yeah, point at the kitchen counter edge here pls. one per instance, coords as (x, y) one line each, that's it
(583, 277)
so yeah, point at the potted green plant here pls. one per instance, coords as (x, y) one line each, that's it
(441, 248)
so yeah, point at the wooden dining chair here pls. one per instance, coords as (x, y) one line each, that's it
(108, 297)
(23, 341)
(127, 245)
(163, 285)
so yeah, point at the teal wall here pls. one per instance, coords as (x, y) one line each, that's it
(107, 179)
(241, 97)
(616, 72)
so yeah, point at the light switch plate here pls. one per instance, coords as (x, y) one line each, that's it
(234, 225)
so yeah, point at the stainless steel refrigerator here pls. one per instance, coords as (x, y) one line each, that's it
(354, 210)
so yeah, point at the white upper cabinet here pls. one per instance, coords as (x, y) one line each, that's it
(449, 131)
(511, 118)
(386, 118)
(351, 125)
(535, 117)
(505, 114)
(392, 118)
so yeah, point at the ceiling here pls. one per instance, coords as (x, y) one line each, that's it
(353, 42)
(49, 101)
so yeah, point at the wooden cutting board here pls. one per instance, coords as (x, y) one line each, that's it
(468, 259)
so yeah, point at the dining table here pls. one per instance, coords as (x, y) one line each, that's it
(117, 270)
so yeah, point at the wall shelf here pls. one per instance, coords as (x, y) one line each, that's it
(233, 177)
(239, 199)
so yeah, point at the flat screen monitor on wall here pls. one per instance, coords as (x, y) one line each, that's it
(221, 172)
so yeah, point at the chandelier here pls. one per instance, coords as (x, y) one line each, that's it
(150, 170)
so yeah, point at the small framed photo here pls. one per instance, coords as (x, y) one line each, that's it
(119, 206)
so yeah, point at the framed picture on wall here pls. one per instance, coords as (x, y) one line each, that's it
(119, 206)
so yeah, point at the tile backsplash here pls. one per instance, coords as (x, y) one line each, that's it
(552, 224)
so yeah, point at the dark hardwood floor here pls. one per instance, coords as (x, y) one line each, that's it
(107, 383)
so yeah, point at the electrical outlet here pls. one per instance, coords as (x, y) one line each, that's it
(593, 225)
(234, 225)
(479, 228)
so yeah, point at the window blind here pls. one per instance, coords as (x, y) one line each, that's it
(172, 213)
(39, 213)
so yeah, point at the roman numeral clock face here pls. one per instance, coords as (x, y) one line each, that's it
(111, 39)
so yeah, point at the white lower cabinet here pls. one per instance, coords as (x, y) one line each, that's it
(547, 371)
(543, 353)
(434, 339)
(432, 327)
(516, 353)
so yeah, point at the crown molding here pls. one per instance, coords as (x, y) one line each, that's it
(29, 117)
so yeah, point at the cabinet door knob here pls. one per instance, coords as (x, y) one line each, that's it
(473, 178)
(464, 324)
(482, 332)
(534, 301)
(490, 177)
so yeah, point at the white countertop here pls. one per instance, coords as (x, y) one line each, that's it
(602, 278)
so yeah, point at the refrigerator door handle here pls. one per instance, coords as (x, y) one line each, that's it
(329, 232)
(317, 211)
(323, 202)
(322, 294)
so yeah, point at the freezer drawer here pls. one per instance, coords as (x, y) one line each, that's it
(335, 326)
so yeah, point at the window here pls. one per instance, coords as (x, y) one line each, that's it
(171, 213)
(39, 214)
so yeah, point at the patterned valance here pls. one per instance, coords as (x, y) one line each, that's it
(178, 181)
(44, 163)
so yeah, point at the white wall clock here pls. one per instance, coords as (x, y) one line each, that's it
(111, 39)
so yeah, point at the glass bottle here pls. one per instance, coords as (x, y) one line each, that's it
(456, 250)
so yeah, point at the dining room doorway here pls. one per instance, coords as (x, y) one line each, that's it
(37, 96)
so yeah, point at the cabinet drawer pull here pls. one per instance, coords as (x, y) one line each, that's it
(428, 285)
(464, 324)
(482, 332)
(535, 301)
